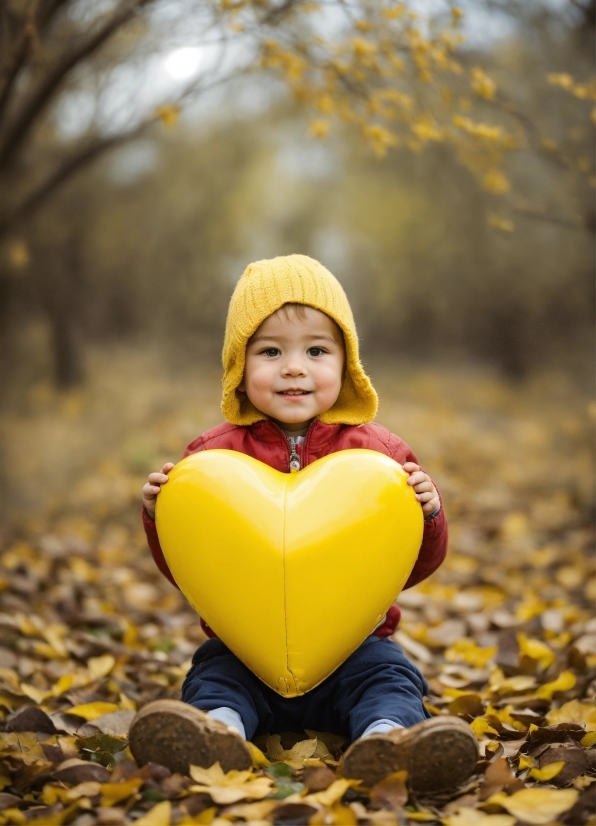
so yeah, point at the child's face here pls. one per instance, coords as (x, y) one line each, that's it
(294, 365)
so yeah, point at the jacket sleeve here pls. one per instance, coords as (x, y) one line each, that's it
(151, 529)
(434, 539)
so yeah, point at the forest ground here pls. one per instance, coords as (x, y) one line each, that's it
(90, 631)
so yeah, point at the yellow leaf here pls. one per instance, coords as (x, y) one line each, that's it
(101, 666)
(482, 84)
(503, 224)
(472, 817)
(63, 684)
(548, 772)
(15, 816)
(526, 762)
(574, 712)
(564, 682)
(89, 788)
(168, 114)
(589, 740)
(496, 182)
(91, 711)
(538, 806)
(466, 650)
(232, 787)
(115, 792)
(159, 815)
(258, 758)
(536, 650)
(206, 817)
(54, 636)
(480, 726)
(562, 80)
(35, 694)
(334, 793)
(318, 128)
(127, 704)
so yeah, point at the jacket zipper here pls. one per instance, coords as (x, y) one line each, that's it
(295, 463)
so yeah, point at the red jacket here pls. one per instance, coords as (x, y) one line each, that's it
(266, 442)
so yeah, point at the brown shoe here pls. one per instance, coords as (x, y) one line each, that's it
(438, 754)
(177, 735)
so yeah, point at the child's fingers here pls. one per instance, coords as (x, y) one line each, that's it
(418, 477)
(425, 497)
(423, 487)
(167, 467)
(410, 467)
(157, 478)
(150, 490)
(430, 507)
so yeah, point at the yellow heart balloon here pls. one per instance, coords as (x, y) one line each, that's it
(291, 571)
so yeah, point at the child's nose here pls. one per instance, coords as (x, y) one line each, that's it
(294, 367)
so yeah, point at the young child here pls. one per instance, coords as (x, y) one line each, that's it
(294, 390)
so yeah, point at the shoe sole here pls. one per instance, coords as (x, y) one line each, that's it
(178, 736)
(441, 756)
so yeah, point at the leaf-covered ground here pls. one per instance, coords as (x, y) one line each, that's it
(505, 633)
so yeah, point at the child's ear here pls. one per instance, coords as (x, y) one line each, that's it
(241, 387)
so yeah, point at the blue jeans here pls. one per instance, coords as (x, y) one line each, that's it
(376, 682)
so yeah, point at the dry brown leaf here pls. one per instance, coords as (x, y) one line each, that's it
(391, 792)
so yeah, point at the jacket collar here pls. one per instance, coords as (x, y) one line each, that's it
(318, 434)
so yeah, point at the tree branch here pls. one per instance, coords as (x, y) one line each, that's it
(45, 13)
(50, 83)
(69, 167)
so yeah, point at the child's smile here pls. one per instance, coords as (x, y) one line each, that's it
(294, 365)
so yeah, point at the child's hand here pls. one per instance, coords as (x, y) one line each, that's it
(153, 486)
(426, 492)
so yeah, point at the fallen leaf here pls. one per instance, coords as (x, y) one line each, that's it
(548, 772)
(101, 666)
(537, 806)
(91, 711)
(115, 792)
(159, 815)
(497, 777)
(472, 817)
(391, 792)
(565, 681)
(574, 712)
(231, 787)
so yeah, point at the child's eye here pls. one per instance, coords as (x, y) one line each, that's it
(316, 351)
(270, 352)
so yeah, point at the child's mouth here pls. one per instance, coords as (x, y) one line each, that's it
(295, 392)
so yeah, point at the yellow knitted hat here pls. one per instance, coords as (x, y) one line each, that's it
(264, 287)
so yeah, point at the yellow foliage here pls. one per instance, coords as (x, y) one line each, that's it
(565, 681)
(482, 84)
(168, 113)
(468, 651)
(574, 712)
(503, 224)
(536, 806)
(159, 815)
(231, 787)
(319, 128)
(91, 711)
(561, 79)
(496, 182)
(536, 650)
(548, 772)
(472, 817)
(478, 130)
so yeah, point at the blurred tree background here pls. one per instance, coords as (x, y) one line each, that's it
(437, 158)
